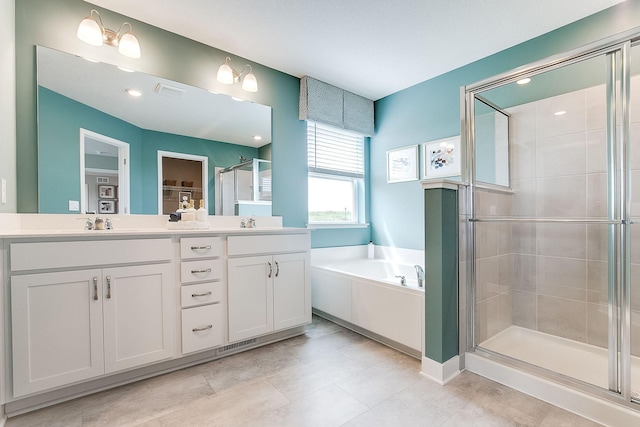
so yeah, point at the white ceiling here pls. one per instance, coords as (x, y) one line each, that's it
(369, 47)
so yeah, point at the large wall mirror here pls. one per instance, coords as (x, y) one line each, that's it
(87, 113)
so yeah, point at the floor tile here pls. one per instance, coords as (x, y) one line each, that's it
(329, 377)
(329, 406)
(229, 409)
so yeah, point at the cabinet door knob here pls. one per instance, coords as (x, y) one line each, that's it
(204, 328)
(270, 270)
(277, 268)
(95, 288)
(108, 287)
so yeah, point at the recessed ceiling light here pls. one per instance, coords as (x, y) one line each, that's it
(257, 138)
(560, 113)
(523, 81)
(126, 70)
(89, 59)
(133, 92)
(237, 99)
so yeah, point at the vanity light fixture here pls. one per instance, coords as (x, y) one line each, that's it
(523, 81)
(93, 32)
(228, 76)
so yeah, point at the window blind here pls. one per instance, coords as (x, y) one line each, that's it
(335, 151)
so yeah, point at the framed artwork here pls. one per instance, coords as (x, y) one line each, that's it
(106, 191)
(107, 206)
(402, 164)
(441, 158)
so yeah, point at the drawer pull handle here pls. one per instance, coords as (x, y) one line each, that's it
(208, 270)
(95, 288)
(196, 248)
(270, 270)
(204, 294)
(108, 287)
(202, 329)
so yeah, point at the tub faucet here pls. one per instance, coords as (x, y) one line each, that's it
(403, 280)
(420, 274)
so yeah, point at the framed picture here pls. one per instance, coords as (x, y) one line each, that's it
(106, 191)
(106, 206)
(441, 158)
(184, 197)
(402, 164)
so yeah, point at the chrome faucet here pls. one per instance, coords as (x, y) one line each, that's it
(403, 280)
(88, 225)
(420, 274)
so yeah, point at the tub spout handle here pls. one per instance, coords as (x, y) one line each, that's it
(403, 280)
(420, 274)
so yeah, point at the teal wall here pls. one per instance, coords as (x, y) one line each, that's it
(60, 120)
(431, 110)
(59, 123)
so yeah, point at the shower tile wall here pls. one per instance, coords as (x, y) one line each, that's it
(553, 277)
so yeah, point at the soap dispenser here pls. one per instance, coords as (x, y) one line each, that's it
(201, 213)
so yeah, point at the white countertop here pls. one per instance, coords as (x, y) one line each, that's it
(48, 225)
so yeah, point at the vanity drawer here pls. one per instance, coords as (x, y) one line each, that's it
(202, 328)
(88, 253)
(203, 293)
(200, 247)
(253, 245)
(200, 271)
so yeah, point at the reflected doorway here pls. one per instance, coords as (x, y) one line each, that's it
(104, 174)
(181, 175)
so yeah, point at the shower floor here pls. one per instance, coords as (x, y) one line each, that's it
(574, 359)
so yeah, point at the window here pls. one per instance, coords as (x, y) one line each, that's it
(336, 175)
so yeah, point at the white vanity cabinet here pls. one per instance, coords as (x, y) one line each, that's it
(77, 323)
(268, 284)
(202, 293)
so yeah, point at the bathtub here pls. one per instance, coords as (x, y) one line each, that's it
(366, 296)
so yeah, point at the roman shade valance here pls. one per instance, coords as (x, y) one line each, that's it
(323, 103)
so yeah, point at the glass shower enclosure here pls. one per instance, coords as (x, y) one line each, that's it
(553, 207)
(246, 188)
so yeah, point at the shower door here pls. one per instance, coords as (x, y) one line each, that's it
(552, 244)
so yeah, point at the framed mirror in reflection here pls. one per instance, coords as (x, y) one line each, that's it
(99, 124)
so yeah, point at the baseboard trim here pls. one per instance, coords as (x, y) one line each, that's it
(441, 373)
(583, 404)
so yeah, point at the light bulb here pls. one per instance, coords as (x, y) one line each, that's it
(225, 73)
(249, 83)
(89, 31)
(129, 46)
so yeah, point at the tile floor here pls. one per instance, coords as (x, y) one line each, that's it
(328, 377)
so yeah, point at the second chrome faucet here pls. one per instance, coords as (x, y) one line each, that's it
(420, 274)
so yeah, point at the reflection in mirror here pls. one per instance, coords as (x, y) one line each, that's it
(491, 143)
(75, 94)
(104, 174)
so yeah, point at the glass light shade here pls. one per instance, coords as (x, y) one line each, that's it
(249, 83)
(129, 46)
(89, 31)
(225, 74)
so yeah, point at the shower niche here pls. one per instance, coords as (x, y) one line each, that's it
(245, 188)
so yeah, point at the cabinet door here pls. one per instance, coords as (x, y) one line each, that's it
(56, 321)
(250, 296)
(291, 290)
(139, 315)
